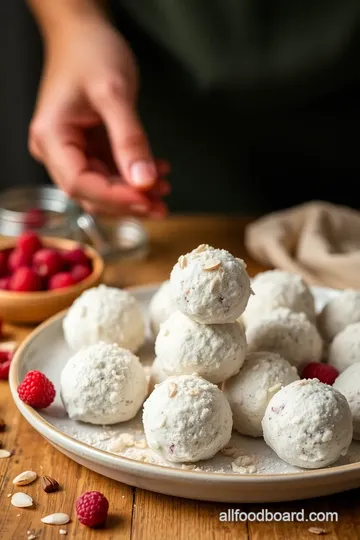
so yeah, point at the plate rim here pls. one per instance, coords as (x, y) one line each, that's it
(53, 434)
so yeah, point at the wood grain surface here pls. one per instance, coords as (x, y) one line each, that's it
(134, 513)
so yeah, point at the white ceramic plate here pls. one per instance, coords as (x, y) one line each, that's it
(213, 480)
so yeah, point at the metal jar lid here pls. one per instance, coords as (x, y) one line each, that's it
(125, 238)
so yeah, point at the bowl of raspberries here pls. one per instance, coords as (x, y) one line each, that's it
(40, 276)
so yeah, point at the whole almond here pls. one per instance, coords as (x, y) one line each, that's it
(56, 519)
(25, 478)
(21, 500)
(49, 485)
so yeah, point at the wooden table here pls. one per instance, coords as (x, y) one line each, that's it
(135, 513)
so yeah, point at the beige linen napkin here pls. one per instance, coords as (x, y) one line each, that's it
(318, 240)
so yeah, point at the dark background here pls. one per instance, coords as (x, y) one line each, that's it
(256, 157)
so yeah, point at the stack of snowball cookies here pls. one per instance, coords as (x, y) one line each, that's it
(230, 354)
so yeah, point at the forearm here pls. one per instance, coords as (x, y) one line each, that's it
(55, 17)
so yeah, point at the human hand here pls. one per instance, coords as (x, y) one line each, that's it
(85, 128)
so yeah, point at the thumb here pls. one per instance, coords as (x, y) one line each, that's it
(129, 143)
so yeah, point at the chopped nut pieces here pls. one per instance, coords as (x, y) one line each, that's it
(230, 451)
(141, 444)
(172, 389)
(25, 478)
(49, 485)
(123, 441)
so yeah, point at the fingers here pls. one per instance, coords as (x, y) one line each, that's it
(129, 143)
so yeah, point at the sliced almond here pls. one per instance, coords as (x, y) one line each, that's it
(63, 532)
(317, 530)
(21, 500)
(4, 453)
(56, 519)
(201, 248)
(182, 261)
(274, 388)
(25, 478)
(31, 537)
(212, 264)
(172, 389)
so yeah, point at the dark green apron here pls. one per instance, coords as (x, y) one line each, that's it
(254, 102)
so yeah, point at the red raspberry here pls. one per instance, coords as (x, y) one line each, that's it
(74, 257)
(36, 390)
(80, 272)
(47, 262)
(5, 361)
(28, 242)
(92, 508)
(61, 281)
(324, 372)
(4, 256)
(18, 259)
(35, 218)
(24, 280)
(4, 283)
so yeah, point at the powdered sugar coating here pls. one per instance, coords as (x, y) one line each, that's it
(308, 424)
(338, 313)
(289, 334)
(348, 383)
(161, 306)
(215, 352)
(103, 384)
(249, 392)
(157, 373)
(344, 350)
(104, 314)
(210, 285)
(187, 419)
(276, 288)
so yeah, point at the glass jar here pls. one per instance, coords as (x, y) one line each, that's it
(49, 212)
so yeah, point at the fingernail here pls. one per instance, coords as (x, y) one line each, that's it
(139, 208)
(143, 173)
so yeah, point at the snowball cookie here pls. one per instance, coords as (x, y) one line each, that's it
(249, 392)
(157, 374)
(214, 351)
(289, 334)
(348, 383)
(103, 384)
(344, 350)
(161, 307)
(274, 289)
(308, 424)
(187, 419)
(210, 285)
(104, 314)
(338, 313)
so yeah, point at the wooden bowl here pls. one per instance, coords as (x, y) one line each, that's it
(35, 307)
